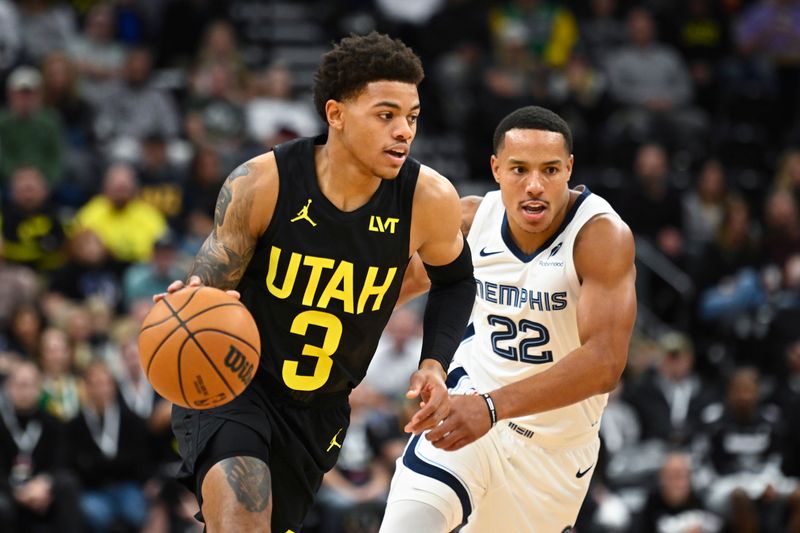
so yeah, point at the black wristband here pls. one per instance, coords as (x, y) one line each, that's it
(490, 405)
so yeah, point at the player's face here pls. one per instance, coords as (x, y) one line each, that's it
(378, 126)
(533, 168)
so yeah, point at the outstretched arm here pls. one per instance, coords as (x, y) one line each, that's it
(443, 251)
(606, 313)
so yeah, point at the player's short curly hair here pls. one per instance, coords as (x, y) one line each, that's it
(360, 59)
(532, 118)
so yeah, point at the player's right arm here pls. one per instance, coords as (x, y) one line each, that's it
(243, 211)
(416, 281)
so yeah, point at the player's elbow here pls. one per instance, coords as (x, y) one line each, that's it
(612, 368)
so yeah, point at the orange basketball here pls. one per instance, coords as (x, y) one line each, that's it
(199, 347)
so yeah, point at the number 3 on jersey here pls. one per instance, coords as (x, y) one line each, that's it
(333, 335)
(520, 353)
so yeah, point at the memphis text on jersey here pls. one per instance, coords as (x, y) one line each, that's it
(341, 284)
(512, 296)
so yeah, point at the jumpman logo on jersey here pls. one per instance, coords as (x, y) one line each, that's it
(333, 441)
(303, 214)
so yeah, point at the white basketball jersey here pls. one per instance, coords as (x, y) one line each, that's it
(524, 317)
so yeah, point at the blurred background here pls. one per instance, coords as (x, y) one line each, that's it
(120, 119)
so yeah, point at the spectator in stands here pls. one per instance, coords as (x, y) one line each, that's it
(127, 225)
(787, 393)
(768, 29)
(36, 493)
(32, 231)
(397, 353)
(670, 397)
(10, 38)
(601, 32)
(220, 47)
(547, 31)
(702, 37)
(134, 109)
(143, 280)
(652, 85)
(206, 174)
(24, 331)
(30, 135)
(735, 246)
(108, 450)
(788, 176)
(18, 286)
(704, 206)
(60, 396)
(745, 452)
(781, 228)
(97, 56)
(45, 26)
(215, 117)
(89, 272)
(674, 506)
(652, 206)
(161, 181)
(272, 107)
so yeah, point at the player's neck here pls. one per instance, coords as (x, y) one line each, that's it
(346, 183)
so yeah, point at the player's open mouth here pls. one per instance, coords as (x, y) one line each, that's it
(397, 155)
(533, 212)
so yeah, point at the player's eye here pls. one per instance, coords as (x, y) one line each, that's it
(412, 119)
(551, 171)
(385, 115)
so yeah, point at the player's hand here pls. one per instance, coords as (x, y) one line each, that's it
(177, 285)
(468, 421)
(427, 383)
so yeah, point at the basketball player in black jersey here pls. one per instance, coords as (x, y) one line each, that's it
(315, 237)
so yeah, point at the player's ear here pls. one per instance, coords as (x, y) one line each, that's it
(570, 162)
(494, 162)
(334, 113)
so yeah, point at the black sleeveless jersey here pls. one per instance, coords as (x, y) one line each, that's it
(322, 283)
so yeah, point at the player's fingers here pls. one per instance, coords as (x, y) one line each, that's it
(158, 297)
(194, 281)
(457, 445)
(235, 294)
(175, 286)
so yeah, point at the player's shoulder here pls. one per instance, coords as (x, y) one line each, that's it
(262, 170)
(605, 236)
(432, 187)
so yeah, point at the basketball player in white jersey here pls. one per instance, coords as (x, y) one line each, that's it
(548, 339)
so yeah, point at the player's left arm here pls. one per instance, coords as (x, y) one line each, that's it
(604, 260)
(436, 237)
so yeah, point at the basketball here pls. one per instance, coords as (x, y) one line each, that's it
(199, 347)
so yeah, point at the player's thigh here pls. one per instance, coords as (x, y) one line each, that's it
(452, 482)
(538, 490)
(234, 480)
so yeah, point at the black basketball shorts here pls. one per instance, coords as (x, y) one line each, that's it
(298, 441)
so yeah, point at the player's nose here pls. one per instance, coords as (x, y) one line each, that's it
(534, 185)
(403, 130)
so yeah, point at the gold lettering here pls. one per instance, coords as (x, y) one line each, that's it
(340, 287)
(316, 264)
(370, 289)
(289, 278)
(372, 226)
(390, 222)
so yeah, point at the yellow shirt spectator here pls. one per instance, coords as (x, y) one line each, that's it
(127, 225)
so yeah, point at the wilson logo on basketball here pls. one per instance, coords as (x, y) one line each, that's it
(238, 364)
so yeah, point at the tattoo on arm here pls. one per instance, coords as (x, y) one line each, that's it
(250, 480)
(222, 264)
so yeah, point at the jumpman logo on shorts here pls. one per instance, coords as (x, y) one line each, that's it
(303, 214)
(333, 441)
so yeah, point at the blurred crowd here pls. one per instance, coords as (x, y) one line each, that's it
(120, 119)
